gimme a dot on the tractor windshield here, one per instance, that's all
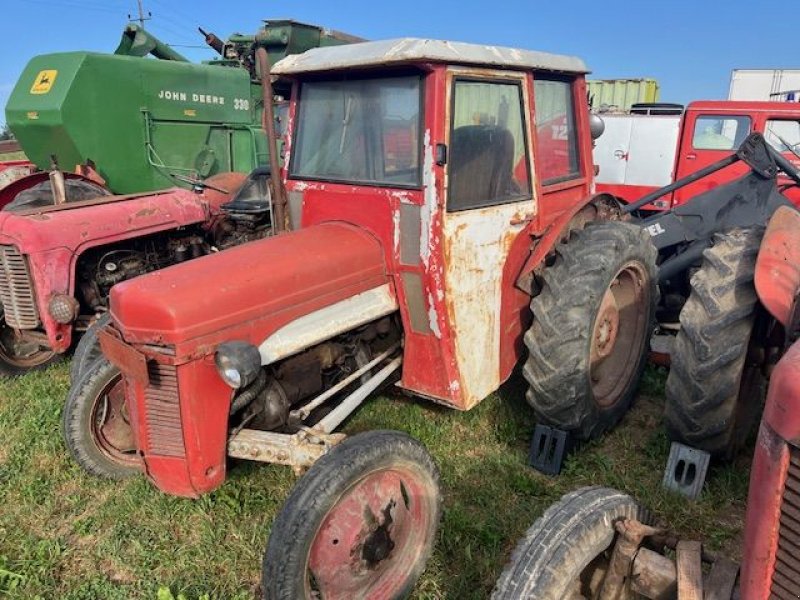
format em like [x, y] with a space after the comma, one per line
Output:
[359, 131]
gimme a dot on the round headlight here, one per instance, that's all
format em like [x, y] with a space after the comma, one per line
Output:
[64, 309]
[238, 363]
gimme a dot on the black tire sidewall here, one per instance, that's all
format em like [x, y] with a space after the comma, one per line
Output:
[87, 351]
[77, 423]
[318, 491]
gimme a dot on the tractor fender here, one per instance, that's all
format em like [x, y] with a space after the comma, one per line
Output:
[598, 207]
[9, 192]
[777, 275]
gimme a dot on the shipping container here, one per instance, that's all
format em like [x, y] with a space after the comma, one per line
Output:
[617, 95]
[776, 85]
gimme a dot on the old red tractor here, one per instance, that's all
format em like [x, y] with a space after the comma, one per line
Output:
[599, 543]
[431, 206]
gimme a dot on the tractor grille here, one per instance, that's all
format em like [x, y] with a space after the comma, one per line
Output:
[16, 290]
[164, 433]
[786, 579]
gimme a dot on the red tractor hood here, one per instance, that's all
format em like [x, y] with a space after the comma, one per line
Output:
[249, 291]
[94, 222]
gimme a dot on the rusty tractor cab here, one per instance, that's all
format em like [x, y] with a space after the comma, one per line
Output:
[437, 192]
[599, 543]
[722, 344]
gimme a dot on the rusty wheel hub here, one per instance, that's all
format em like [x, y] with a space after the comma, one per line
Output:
[111, 428]
[370, 538]
[618, 333]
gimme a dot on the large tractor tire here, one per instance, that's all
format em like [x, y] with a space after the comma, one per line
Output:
[361, 523]
[567, 550]
[88, 349]
[41, 194]
[591, 324]
[717, 383]
[96, 426]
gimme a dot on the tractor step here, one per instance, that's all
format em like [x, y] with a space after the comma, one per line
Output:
[549, 449]
[686, 470]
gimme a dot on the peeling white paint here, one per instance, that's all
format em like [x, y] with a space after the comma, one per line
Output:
[396, 231]
[327, 322]
[478, 243]
[433, 319]
[402, 195]
[430, 202]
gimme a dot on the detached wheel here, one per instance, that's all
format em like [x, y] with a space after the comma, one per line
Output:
[717, 383]
[17, 357]
[361, 523]
[88, 349]
[566, 552]
[96, 427]
[591, 325]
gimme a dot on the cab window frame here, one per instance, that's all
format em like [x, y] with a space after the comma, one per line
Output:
[524, 113]
[576, 176]
[748, 119]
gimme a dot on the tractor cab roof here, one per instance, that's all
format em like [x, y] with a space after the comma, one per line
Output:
[410, 50]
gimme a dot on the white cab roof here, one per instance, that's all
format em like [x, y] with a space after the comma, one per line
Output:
[407, 50]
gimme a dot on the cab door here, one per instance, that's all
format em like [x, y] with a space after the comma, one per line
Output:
[489, 199]
[706, 139]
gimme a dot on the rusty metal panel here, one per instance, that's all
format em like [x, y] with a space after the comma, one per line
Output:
[410, 232]
[786, 578]
[415, 299]
[129, 360]
[164, 433]
[16, 290]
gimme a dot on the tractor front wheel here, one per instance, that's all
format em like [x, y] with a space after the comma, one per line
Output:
[717, 381]
[591, 324]
[96, 426]
[566, 552]
[88, 349]
[361, 523]
[17, 357]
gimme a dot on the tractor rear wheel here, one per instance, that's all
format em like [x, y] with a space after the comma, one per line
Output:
[566, 552]
[591, 324]
[717, 382]
[96, 426]
[88, 349]
[361, 523]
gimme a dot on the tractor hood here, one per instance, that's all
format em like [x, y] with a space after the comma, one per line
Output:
[248, 292]
[79, 225]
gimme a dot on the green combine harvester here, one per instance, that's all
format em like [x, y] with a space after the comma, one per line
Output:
[145, 118]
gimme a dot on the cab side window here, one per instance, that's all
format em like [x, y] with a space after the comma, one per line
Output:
[556, 136]
[783, 134]
[488, 161]
[720, 133]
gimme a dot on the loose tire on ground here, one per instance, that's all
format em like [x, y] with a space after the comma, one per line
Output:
[361, 523]
[591, 324]
[95, 426]
[716, 384]
[561, 551]
[88, 349]
[41, 194]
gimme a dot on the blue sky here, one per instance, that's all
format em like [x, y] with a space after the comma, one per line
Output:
[689, 46]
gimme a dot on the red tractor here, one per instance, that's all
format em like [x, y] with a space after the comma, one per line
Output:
[598, 543]
[425, 223]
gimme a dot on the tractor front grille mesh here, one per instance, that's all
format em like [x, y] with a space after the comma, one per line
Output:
[164, 432]
[16, 290]
[786, 579]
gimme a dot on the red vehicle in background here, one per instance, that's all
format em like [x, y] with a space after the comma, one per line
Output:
[637, 154]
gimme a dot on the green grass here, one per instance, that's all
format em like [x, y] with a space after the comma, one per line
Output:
[66, 535]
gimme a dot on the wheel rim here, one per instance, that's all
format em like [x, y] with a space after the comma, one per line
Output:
[110, 426]
[617, 340]
[13, 357]
[372, 537]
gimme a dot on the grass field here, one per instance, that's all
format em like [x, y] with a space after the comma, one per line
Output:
[69, 536]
